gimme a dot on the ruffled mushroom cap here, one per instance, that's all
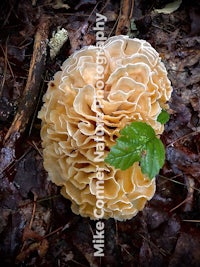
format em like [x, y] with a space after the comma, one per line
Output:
[136, 88]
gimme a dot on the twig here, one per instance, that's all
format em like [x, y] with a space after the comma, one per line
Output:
[152, 244]
[125, 17]
[53, 232]
[192, 221]
[33, 211]
[11, 168]
[177, 182]
[112, 30]
[5, 53]
[6, 63]
[37, 105]
[180, 204]
[183, 137]
[29, 99]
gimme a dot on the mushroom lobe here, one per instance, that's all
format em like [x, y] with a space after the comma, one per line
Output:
[135, 87]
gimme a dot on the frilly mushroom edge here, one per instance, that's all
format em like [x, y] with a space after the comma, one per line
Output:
[136, 89]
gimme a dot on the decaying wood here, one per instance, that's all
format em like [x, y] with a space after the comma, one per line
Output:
[125, 16]
[30, 94]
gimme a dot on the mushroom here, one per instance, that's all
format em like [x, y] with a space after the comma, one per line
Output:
[102, 88]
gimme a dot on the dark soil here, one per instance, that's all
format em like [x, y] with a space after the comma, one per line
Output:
[37, 226]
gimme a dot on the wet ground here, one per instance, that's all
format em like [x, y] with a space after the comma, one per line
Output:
[37, 227]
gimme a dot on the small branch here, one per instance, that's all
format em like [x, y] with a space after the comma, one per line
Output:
[31, 91]
[125, 16]
[30, 94]
[33, 212]
[6, 63]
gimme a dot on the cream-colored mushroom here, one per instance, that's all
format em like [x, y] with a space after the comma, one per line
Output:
[136, 88]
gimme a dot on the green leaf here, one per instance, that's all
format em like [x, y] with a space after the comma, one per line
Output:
[130, 145]
[137, 143]
[141, 131]
[154, 158]
[163, 117]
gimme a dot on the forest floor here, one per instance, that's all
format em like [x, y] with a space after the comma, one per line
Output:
[37, 226]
